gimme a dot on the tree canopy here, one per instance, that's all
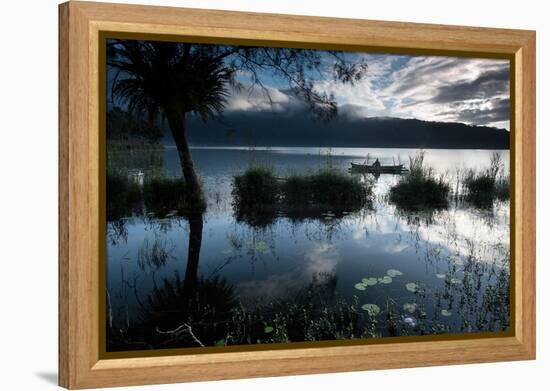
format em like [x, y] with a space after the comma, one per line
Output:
[154, 77]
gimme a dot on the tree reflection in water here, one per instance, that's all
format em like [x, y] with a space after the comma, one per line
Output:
[206, 310]
[461, 287]
[198, 311]
[178, 313]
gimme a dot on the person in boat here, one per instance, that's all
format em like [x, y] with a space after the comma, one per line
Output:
[376, 163]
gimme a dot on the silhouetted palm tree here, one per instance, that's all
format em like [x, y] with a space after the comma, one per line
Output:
[175, 79]
[164, 78]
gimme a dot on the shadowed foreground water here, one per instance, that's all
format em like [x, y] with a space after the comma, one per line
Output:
[443, 271]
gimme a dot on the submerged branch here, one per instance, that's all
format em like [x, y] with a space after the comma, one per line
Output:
[181, 329]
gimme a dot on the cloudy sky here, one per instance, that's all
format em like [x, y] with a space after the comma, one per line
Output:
[450, 89]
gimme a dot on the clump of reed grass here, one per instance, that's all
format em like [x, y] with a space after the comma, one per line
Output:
[162, 195]
[420, 189]
[257, 188]
[482, 188]
[502, 188]
[123, 196]
[256, 195]
[157, 195]
[259, 192]
[326, 189]
[154, 253]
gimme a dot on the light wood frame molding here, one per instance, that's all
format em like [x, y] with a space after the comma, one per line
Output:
[80, 24]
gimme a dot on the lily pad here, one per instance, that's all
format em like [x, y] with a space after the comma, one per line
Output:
[455, 281]
[268, 329]
[409, 321]
[372, 309]
[409, 307]
[446, 313]
[385, 280]
[261, 247]
[394, 273]
[360, 286]
[440, 275]
[412, 287]
[369, 281]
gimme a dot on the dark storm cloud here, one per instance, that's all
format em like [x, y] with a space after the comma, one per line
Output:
[488, 85]
[498, 112]
[449, 89]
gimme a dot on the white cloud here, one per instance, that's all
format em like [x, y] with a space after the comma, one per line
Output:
[415, 89]
[469, 90]
[255, 98]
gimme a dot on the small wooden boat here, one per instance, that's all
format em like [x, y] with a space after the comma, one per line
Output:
[378, 169]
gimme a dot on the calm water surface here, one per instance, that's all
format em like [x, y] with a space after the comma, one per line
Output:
[451, 256]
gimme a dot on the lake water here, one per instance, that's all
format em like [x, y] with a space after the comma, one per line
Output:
[451, 261]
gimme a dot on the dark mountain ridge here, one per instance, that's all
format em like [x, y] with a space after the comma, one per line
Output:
[272, 129]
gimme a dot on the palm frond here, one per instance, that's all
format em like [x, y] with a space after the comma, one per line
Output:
[155, 77]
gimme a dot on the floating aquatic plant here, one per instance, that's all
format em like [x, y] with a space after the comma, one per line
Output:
[455, 281]
[369, 281]
[410, 321]
[394, 273]
[372, 309]
[385, 280]
[409, 307]
[261, 247]
[360, 286]
[446, 313]
[412, 287]
[227, 251]
[268, 329]
[440, 275]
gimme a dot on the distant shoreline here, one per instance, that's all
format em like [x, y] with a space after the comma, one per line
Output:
[269, 147]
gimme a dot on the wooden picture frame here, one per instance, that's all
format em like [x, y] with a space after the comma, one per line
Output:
[81, 24]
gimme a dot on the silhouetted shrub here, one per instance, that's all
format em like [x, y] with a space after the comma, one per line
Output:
[325, 190]
[481, 189]
[419, 188]
[502, 188]
[259, 196]
[257, 188]
[159, 196]
[123, 196]
[162, 195]
[176, 316]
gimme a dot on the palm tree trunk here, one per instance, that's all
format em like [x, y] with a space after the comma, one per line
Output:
[176, 121]
[193, 252]
[196, 204]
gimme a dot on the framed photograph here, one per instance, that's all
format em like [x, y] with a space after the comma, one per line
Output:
[247, 195]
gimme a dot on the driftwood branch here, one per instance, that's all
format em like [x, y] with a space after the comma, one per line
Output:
[182, 329]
